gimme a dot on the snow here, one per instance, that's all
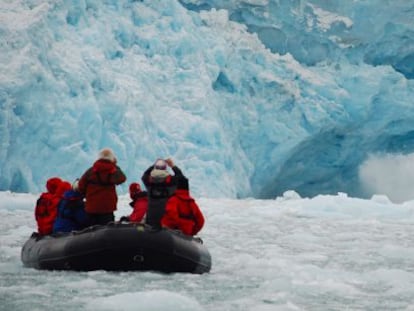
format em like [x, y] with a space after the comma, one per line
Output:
[331, 252]
[326, 19]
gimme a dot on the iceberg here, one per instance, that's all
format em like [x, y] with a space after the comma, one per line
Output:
[250, 98]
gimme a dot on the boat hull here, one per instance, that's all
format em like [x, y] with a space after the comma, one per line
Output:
[118, 247]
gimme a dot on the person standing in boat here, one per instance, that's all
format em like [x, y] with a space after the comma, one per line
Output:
[160, 186]
[182, 212]
[139, 204]
[98, 185]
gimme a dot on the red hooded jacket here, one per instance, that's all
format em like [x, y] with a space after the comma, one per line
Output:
[98, 185]
[140, 205]
[183, 213]
[46, 205]
[45, 214]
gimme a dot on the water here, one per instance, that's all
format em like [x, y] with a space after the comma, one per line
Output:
[325, 253]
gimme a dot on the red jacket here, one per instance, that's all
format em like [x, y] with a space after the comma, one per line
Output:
[183, 213]
[45, 213]
[98, 185]
[46, 206]
[140, 205]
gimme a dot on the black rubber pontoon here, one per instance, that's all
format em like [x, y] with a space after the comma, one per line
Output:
[118, 247]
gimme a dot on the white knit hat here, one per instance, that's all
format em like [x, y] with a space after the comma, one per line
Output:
[159, 174]
[107, 154]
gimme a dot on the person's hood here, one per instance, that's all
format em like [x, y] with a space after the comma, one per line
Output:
[52, 184]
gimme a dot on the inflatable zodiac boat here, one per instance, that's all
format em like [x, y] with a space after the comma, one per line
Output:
[118, 247]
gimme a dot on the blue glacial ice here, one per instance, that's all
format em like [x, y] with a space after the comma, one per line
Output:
[250, 98]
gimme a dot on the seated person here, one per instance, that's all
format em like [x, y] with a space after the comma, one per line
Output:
[139, 204]
[46, 205]
[71, 213]
[182, 212]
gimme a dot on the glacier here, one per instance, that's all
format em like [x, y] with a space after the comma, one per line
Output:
[250, 98]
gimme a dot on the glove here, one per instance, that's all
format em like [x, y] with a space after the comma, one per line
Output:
[170, 162]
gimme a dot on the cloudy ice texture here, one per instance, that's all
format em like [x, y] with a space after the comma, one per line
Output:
[250, 98]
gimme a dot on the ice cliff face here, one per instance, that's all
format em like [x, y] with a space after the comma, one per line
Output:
[251, 98]
[374, 32]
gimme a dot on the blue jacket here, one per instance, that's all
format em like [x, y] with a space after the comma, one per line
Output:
[71, 213]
